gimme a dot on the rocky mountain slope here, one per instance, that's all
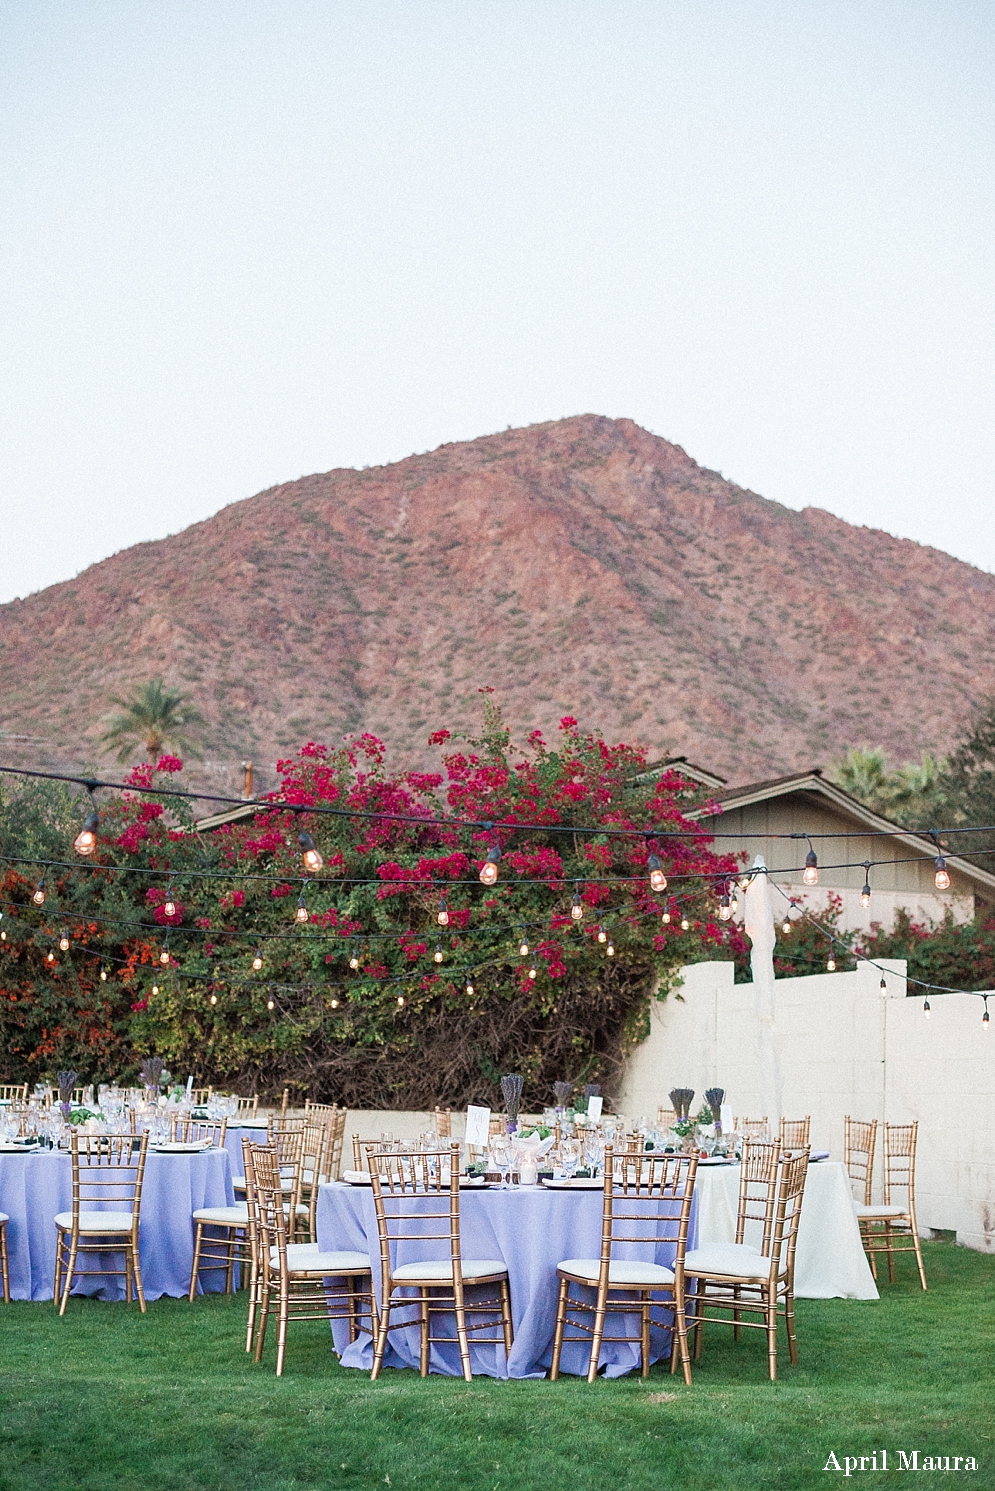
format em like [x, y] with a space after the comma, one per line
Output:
[583, 566]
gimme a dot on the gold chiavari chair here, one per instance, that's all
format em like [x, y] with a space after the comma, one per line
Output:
[199, 1130]
[639, 1192]
[752, 1128]
[247, 1107]
[200, 1096]
[292, 1279]
[743, 1279]
[334, 1119]
[666, 1118]
[108, 1171]
[314, 1152]
[444, 1123]
[890, 1227]
[859, 1144]
[13, 1092]
[418, 1190]
[794, 1133]
[4, 1268]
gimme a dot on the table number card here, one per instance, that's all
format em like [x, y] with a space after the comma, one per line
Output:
[478, 1126]
[594, 1105]
[725, 1118]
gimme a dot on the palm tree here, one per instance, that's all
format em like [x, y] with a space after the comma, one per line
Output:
[155, 717]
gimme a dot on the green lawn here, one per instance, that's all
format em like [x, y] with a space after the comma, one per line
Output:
[106, 1400]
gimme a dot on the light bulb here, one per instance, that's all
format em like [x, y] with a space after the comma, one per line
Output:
[734, 903]
[532, 970]
[354, 961]
[665, 918]
[985, 1019]
[164, 956]
[443, 916]
[64, 942]
[3, 936]
[103, 975]
[725, 909]
[941, 879]
[312, 859]
[86, 840]
[884, 988]
[610, 949]
[786, 926]
[865, 896]
[811, 872]
[926, 1009]
[169, 905]
[257, 961]
[684, 924]
[39, 895]
[469, 988]
[437, 955]
[50, 958]
[335, 1004]
[155, 988]
[577, 910]
[301, 914]
[524, 948]
[400, 1000]
[214, 999]
[271, 1004]
[602, 934]
[831, 964]
[489, 868]
[658, 880]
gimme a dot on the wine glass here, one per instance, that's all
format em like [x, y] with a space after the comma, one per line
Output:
[501, 1157]
[594, 1151]
[569, 1157]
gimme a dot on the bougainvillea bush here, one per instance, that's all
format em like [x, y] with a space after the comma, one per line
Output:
[373, 1000]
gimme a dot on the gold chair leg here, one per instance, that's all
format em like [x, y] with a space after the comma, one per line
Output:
[137, 1272]
[644, 1343]
[789, 1321]
[561, 1320]
[57, 1282]
[680, 1339]
[918, 1248]
[736, 1316]
[198, 1243]
[889, 1241]
[509, 1339]
[772, 1336]
[464, 1344]
[70, 1270]
[281, 1332]
[264, 1302]
[4, 1265]
[599, 1330]
[423, 1336]
[381, 1345]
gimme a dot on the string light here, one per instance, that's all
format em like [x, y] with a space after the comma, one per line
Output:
[64, 941]
[312, 859]
[577, 909]
[883, 986]
[665, 918]
[610, 949]
[257, 961]
[810, 874]
[354, 960]
[831, 964]
[469, 986]
[169, 905]
[523, 947]
[602, 934]
[437, 955]
[725, 905]
[155, 989]
[942, 878]
[335, 1004]
[400, 1000]
[3, 936]
[103, 975]
[489, 868]
[865, 894]
[735, 901]
[271, 1004]
[86, 840]
[532, 970]
[301, 913]
[786, 926]
[164, 955]
[50, 958]
[985, 1018]
[658, 880]
[214, 999]
[926, 1009]
[685, 924]
[39, 895]
[443, 916]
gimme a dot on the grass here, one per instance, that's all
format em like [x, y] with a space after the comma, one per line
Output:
[105, 1400]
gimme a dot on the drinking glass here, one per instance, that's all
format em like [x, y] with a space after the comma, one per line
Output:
[594, 1151]
[569, 1157]
[501, 1157]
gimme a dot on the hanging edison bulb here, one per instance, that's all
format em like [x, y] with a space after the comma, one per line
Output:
[39, 895]
[443, 915]
[3, 936]
[155, 990]
[103, 975]
[942, 877]
[532, 970]
[926, 1009]
[400, 1000]
[64, 941]
[164, 955]
[50, 958]
[523, 946]
[610, 949]
[335, 1004]
[169, 905]
[786, 926]
[437, 955]
[489, 868]
[685, 924]
[658, 880]
[985, 1019]
[312, 859]
[577, 909]
[214, 999]
[257, 961]
[831, 964]
[86, 840]
[725, 905]
[301, 913]
[734, 902]
[354, 960]
[602, 934]
[469, 988]
[665, 918]
[271, 1004]
[810, 874]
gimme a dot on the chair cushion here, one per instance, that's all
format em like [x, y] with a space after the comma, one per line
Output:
[238, 1181]
[306, 1258]
[620, 1271]
[738, 1259]
[885, 1212]
[442, 1269]
[96, 1222]
[3, 1218]
[223, 1216]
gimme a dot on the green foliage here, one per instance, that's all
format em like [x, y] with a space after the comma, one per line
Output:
[812, 938]
[154, 718]
[915, 793]
[954, 955]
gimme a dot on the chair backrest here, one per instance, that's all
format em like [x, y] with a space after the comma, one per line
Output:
[794, 1132]
[900, 1163]
[13, 1092]
[108, 1171]
[752, 1128]
[758, 1189]
[859, 1143]
[287, 1140]
[498, 1125]
[641, 1192]
[265, 1198]
[333, 1117]
[200, 1096]
[665, 1117]
[790, 1193]
[248, 1105]
[444, 1123]
[195, 1130]
[416, 1195]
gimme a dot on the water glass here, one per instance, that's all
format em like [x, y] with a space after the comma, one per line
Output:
[569, 1157]
[501, 1157]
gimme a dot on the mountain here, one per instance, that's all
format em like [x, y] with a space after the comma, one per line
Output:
[579, 567]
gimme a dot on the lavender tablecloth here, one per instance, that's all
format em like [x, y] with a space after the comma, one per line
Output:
[532, 1230]
[234, 1135]
[33, 1187]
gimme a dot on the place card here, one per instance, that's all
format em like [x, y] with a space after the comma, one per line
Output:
[594, 1105]
[726, 1118]
[478, 1127]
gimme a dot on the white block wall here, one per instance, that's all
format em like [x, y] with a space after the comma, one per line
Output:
[843, 1048]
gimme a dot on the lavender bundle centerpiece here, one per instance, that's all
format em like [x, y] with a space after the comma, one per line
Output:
[714, 1097]
[151, 1072]
[562, 1091]
[511, 1091]
[682, 1098]
[66, 1082]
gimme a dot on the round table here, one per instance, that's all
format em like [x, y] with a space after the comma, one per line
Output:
[34, 1187]
[532, 1229]
[255, 1132]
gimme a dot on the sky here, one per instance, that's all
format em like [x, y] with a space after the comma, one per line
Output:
[246, 241]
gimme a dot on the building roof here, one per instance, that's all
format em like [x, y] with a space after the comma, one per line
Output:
[684, 766]
[812, 783]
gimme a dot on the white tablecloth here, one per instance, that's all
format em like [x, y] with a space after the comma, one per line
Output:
[830, 1262]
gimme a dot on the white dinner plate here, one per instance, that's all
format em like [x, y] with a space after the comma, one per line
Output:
[586, 1183]
[818, 1154]
[718, 1160]
[199, 1146]
[18, 1148]
[356, 1178]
